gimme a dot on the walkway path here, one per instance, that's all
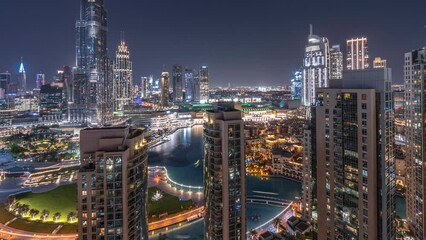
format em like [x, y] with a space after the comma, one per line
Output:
[11, 233]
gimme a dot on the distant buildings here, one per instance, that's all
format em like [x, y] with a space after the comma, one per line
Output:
[336, 62]
[112, 184]
[192, 85]
[123, 78]
[164, 89]
[224, 174]
[40, 80]
[284, 164]
[5, 81]
[177, 83]
[22, 79]
[316, 67]
[379, 63]
[146, 87]
[204, 84]
[53, 101]
[357, 54]
[415, 129]
[351, 178]
[297, 86]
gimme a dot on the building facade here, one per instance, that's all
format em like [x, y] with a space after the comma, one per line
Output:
[123, 77]
[53, 101]
[112, 184]
[5, 81]
[164, 89]
[316, 67]
[204, 84]
[94, 69]
[177, 83]
[336, 62]
[297, 85]
[415, 129]
[379, 63]
[357, 50]
[224, 174]
[354, 163]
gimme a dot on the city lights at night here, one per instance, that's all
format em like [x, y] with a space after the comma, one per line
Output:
[214, 120]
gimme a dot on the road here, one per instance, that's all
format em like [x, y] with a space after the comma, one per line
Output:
[176, 219]
[11, 233]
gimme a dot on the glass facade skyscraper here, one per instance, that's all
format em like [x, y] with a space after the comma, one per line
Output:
[204, 84]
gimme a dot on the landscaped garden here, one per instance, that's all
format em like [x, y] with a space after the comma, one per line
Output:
[58, 205]
[162, 203]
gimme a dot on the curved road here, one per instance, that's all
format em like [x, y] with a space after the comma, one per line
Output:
[11, 233]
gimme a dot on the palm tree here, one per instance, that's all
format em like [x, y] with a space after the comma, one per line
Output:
[33, 213]
[71, 216]
[24, 209]
[277, 223]
[11, 201]
[56, 217]
[44, 214]
[253, 234]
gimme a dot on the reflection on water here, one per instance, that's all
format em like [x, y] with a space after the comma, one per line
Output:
[183, 157]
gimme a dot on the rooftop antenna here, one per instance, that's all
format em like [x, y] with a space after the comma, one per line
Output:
[310, 29]
[122, 37]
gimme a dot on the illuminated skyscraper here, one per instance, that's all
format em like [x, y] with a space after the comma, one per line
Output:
[316, 67]
[379, 63]
[164, 89]
[296, 86]
[357, 49]
[192, 86]
[415, 130]
[350, 174]
[94, 70]
[22, 79]
[146, 87]
[224, 174]
[204, 84]
[123, 77]
[177, 83]
[336, 62]
[112, 184]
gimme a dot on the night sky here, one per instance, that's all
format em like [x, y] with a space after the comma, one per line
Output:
[244, 42]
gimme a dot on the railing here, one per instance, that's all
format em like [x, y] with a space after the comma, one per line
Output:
[175, 184]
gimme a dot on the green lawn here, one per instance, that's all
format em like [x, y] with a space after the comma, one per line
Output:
[33, 226]
[62, 199]
[68, 229]
[168, 203]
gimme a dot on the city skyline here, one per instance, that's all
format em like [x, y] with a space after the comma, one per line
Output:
[168, 41]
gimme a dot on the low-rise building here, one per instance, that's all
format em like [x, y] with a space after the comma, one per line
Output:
[284, 164]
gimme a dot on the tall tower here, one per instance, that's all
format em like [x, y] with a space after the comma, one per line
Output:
[112, 184]
[224, 174]
[146, 87]
[336, 62]
[357, 49]
[316, 67]
[415, 129]
[354, 158]
[177, 83]
[204, 84]
[123, 77]
[22, 79]
[164, 89]
[93, 74]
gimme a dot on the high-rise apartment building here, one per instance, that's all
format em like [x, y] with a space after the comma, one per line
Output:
[352, 174]
[204, 84]
[357, 50]
[224, 174]
[93, 74]
[5, 81]
[164, 89]
[112, 184]
[316, 67]
[146, 86]
[336, 62]
[123, 77]
[53, 101]
[192, 86]
[177, 83]
[22, 79]
[415, 129]
[379, 63]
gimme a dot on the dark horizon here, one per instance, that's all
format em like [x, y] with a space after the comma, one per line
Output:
[247, 43]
